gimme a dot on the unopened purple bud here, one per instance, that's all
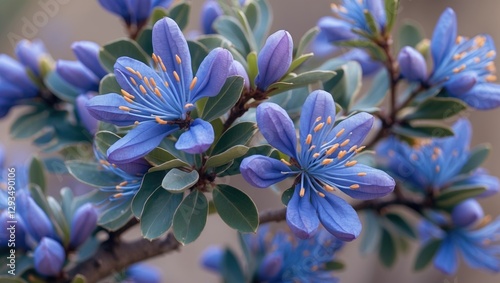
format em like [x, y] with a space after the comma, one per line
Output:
[49, 257]
[36, 221]
[143, 273]
[76, 74]
[377, 9]
[270, 267]
[211, 258]
[461, 83]
[467, 213]
[83, 223]
[412, 64]
[238, 70]
[88, 121]
[14, 73]
[274, 59]
[87, 52]
[210, 11]
[30, 54]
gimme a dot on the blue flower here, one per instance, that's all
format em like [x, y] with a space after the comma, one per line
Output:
[412, 64]
[143, 273]
[49, 257]
[322, 164]
[351, 19]
[465, 67]
[282, 258]
[478, 244]
[133, 12]
[435, 164]
[83, 224]
[210, 11]
[159, 101]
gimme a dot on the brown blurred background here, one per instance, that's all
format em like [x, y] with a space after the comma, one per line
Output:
[73, 20]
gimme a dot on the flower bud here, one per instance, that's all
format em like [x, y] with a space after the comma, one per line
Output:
[14, 73]
[88, 121]
[30, 54]
[36, 221]
[49, 257]
[143, 273]
[461, 83]
[412, 64]
[238, 70]
[83, 223]
[87, 52]
[335, 30]
[377, 9]
[76, 74]
[270, 266]
[467, 213]
[274, 59]
[211, 258]
[210, 11]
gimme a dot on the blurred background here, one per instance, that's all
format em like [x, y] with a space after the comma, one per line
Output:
[71, 20]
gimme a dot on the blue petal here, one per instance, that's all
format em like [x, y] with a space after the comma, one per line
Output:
[262, 171]
[374, 184]
[238, 70]
[446, 258]
[277, 127]
[412, 64]
[318, 104]
[483, 96]
[15, 73]
[210, 11]
[49, 257]
[137, 167]
[36, 221]
[377, 9]
[301, 216]
[87, 52]
[444, 36]
[335, 29]
[139, 10]
[212, 74]
[168, 41]
[480, 177]
[477, 256]
[116, 7]
[467, 213]
[271, 265]
[143, 273]
[368, 65]
[428, 231]
[106, 108]
[76, 74]
[138, 142]
[321, 46]
[86, 119]
[274, 59]
[461, 83]
[197, 139]
[30, 54]
[338, 217]
[356, 128]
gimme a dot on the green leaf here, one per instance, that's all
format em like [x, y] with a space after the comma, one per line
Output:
[177, 181]
[123, 217]
[387, 249]
[303, 79]
[305, 40]
[104, 140]
[456, 194]
[401, 224]
[227, 156]
[61, 88]
[231, 269]
[410, 34]
[423, 131]
[28, 124]
[334, 266]
[376, 94]
[234, 169]
[36, 174]
[346, 83]
[175, 163]
[235, 208]
[264, 22]
[158, 213]
[191, 217]
[112, 214]
[159, 156]
[437, 108]
[221, 103]
[298, 61]
[252, 14]
[287, 195]
[426, 254]
[109, 84]
[231, 29]
[67, 203]
[253, 69]
[370, 21]
[145, 40]
[391, 12]
[158, 14]
[151, 182]
[92, 174]
[59, 221]
[371, 233]
[180, 14]
[79, 279]
[198, 53]
[124, 47]
[239, 134]
[476, 157]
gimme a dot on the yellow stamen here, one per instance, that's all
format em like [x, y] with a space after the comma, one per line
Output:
[480, 41]
[143, 90]
[131, 70]
[332, 149]
[491, 67]
[344, 143]
[459, 69]
[188, 105]
[327, 161]
[341, 154]
[124, 108]
[351, 163]
[124, 183]
[329, 120]
[354, 187]
[118, 187]
[146, 82]
[104, 162]
[119, 195]
[321, 194]
[157, 92]
[491, 78]
[360, 149]
[126, 94]
[176, 76]
[139, 74]
[302, 192]
[318, 119]
[153, 82]
[459, 56]
[491, 54]
[459, 39]
[160, 121]
[329, 188]
[133, 81]
[316, 155]
[340, 133]
[309, 139]
[312, 147]
[128, 99]
[136, 123]
[155, 59]
[166, 84]
[162, 65]
[286, 162]
[477, 59]
[361, 174]
[193, 83]
[178, 59]
[353, 148]
[318, 127]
